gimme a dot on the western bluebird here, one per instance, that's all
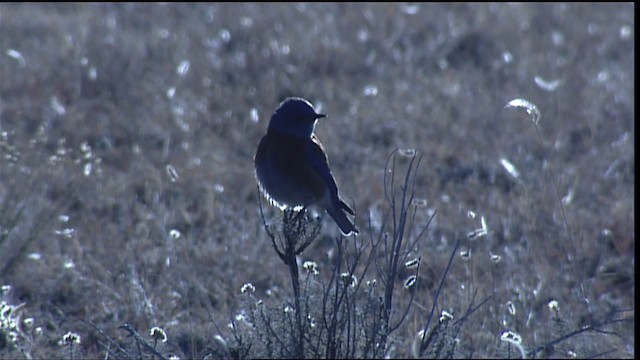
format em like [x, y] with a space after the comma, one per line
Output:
[292, 168]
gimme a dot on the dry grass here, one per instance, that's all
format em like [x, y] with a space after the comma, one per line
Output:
[97, 100]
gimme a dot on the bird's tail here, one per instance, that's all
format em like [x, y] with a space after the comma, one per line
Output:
[347, 227]
[346, 207]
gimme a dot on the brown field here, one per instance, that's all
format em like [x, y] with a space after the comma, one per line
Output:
[97, 101]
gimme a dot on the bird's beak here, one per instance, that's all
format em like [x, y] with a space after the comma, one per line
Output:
[319, 116]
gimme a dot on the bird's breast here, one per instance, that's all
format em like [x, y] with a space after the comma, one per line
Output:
[285, 172]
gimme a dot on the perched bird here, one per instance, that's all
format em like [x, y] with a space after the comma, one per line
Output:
[292, 168]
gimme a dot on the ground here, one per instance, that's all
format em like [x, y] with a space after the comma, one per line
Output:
[127, 192]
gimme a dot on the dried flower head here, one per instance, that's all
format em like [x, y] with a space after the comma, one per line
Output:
[12, 337]
[158, 334]
[4, 290]
[349, 278]
[311, 267]
[5, 310]
[515, 340]
[70, 338]
[311, 320]
[511, 337]
[247, 287]
[28, 322]
[175, 234]
[445, 316]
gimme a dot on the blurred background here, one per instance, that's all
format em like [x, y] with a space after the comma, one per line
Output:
[127, 133]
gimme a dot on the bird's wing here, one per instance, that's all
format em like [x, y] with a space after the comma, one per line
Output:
[319, 162]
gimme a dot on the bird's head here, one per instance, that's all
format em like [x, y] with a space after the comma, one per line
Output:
[296, 117]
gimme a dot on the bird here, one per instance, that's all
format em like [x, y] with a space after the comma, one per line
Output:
[292, 167]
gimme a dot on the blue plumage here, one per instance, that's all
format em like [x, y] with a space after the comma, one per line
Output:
[292, 168]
